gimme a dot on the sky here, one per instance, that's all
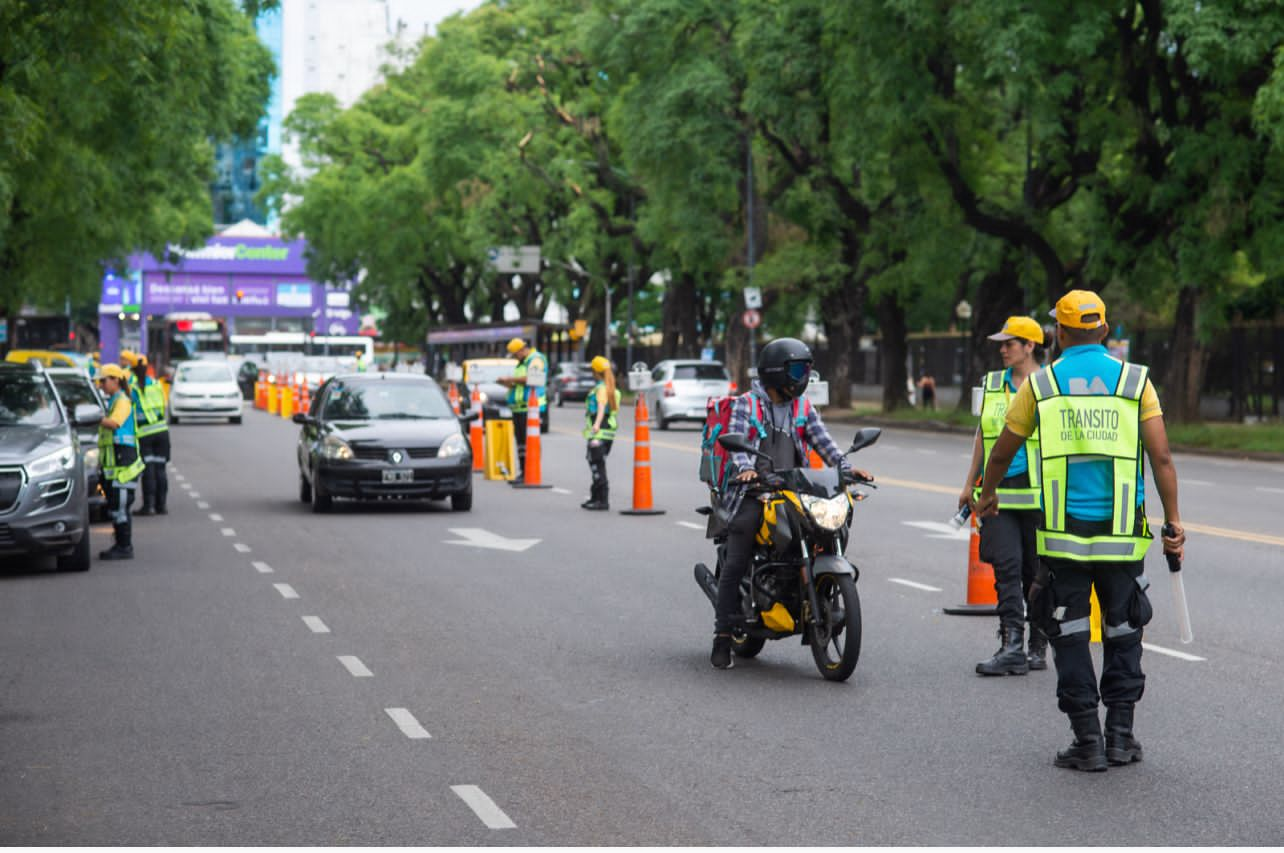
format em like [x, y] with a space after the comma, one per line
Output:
[418, 13]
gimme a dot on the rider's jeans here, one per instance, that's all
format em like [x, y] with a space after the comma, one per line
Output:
[740, 536]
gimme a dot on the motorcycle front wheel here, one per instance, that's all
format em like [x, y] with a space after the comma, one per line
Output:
[835, 636]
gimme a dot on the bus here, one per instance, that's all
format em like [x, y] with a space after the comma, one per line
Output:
[172, 338]
[260, 348]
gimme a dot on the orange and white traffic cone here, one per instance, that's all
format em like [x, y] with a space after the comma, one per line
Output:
[475, 434]
[982, 599]
[531, 473]
[641, 463]
[305, 398]
[453, 395]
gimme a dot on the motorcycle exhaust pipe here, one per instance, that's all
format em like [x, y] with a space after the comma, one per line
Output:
[706, 581]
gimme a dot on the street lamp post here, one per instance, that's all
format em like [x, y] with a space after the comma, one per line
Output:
[963, 311]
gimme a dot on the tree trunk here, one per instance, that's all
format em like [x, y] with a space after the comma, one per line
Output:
[843, 325]
[895, 349]
[1186, 361]
[1000, 296]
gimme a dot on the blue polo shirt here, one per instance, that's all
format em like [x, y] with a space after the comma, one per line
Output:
[1020, 463]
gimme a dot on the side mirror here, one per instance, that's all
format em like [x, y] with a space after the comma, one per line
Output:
[303, 419]
[864, 438]
[86, 415]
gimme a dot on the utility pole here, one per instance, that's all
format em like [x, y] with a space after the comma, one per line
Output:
[628, 347]
[753, 333]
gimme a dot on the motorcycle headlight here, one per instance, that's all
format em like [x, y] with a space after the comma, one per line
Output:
[454, 445]
[828, 513]
[336, 449]
[60, 461]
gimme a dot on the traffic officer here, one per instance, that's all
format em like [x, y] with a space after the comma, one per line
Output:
[361, 361]
[1008, 540]
[600, 424]
[118, 458]
[153, 438]
[528, 358]
[1095, 415]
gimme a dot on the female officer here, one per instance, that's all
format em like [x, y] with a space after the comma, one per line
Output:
[600, 410]
[1008, 540]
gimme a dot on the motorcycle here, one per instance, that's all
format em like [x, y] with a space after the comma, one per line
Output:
[799, 582]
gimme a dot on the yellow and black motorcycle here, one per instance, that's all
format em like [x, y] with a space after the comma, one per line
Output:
[799, 581]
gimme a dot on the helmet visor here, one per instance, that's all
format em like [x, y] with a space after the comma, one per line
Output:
[798, 371]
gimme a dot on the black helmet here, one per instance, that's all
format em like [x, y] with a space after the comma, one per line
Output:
[785, 364]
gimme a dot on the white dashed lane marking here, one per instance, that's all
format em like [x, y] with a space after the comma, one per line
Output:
[315, 623]
[242, 547]
[194, 495]
[1270, 490]
[692, 525]
[286, 590]
[483, 806]
[228, 531]
[262, 567]
[202, 505]
[214, 516]
[408, 724]
[916, 585]
[560, 491]
[354, 665]
[1172, 653]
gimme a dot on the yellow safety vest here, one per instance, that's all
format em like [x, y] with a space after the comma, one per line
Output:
[1078, 426]
[518, 396]
[994, 410]
[151, 400]
[609, 423]
[125, 437]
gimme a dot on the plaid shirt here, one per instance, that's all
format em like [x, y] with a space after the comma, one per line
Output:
[814, 436]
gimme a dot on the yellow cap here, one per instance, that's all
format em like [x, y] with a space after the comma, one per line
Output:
[1020, 327]
[115, 371]
[129, 357]
[600, 364]
[516, 344]
[1075, 305]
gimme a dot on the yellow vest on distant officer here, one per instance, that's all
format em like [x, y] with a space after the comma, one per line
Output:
[118, 456]
[151, 403]
[994, 408]
[519, 395]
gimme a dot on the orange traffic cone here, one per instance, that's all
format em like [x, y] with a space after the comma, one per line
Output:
[453, 395]
[305, 398]
[531, 473]
[814, 460]
[641, 463]
[982, 600]
[475, 432]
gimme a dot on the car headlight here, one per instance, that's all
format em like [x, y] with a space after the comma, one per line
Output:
[60, 461]
[336, 448]
[828, 513]
[454, 445]
[91, 458]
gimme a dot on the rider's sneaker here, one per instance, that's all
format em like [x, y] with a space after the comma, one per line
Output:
[720, 657]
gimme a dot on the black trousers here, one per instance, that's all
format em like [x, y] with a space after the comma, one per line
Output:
[1009, 543]
[597, 462]
[119, 498]
[519, 433]
[155, 480]
[1122, 681]
[741, 530]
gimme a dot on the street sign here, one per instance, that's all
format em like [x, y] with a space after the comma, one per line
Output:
[751, 318]
[514, 259]
[753, 298]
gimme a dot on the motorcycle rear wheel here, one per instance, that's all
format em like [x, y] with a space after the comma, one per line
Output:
[835, 640]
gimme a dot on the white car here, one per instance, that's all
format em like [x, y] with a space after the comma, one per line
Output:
[204, 389]
[681, 390]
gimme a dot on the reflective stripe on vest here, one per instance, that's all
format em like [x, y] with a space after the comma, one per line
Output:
[994, 409]
[152, 405]
[519, 396]
[122, 436]
[1075, 427]
[609, 423]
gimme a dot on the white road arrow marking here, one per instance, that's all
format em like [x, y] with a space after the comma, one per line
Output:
[941, 530]
[479, 538]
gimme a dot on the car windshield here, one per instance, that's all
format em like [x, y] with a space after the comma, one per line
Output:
[484, 373]
[204, 373]
[74, 391]
[385, 400]
[700, 371]
[27, 401]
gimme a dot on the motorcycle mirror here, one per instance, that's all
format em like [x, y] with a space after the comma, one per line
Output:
[864, 438]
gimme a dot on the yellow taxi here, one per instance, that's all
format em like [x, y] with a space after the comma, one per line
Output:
[47, 357]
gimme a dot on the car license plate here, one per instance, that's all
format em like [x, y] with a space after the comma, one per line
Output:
[398, 475]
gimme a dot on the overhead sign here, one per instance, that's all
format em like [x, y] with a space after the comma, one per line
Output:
[514, 259]
[753, 298]
[751, 318]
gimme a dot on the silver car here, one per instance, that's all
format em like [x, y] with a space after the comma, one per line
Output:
[680, 390]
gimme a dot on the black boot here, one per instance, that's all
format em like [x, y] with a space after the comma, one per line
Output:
[597, 498]
[1038, 653]
[147, 509]
[720, 657]
[1010, 658]
[1088, 752]
[1121, 747]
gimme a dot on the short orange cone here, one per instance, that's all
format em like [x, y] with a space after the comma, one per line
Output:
[475, 433]
[982, 600]
[641, 463]
[531, 473]
[814, 460]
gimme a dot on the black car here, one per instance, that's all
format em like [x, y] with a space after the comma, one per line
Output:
[75, 388]
[571, 381]
[372, 436]
[43, 509]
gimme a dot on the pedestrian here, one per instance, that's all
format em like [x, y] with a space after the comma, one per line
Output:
[1095, 415]
[782, 424]
[601, 408]
[118, 459]
[360, 356]
[529, 359]
[153, 439]
[1008, 539]
[927, 384]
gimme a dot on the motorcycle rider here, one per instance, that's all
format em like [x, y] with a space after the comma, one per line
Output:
[777, 422]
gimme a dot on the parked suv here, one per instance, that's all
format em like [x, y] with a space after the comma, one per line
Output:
[680, 390]
[43, 505]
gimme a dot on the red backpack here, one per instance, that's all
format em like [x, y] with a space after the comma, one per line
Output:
[717, 421]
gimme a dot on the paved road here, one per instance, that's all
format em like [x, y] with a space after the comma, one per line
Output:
[262, 675]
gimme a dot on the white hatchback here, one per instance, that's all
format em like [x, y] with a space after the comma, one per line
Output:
[681, 390]
[204, 389]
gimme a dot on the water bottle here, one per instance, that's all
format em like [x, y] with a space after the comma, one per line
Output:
[960, 518]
